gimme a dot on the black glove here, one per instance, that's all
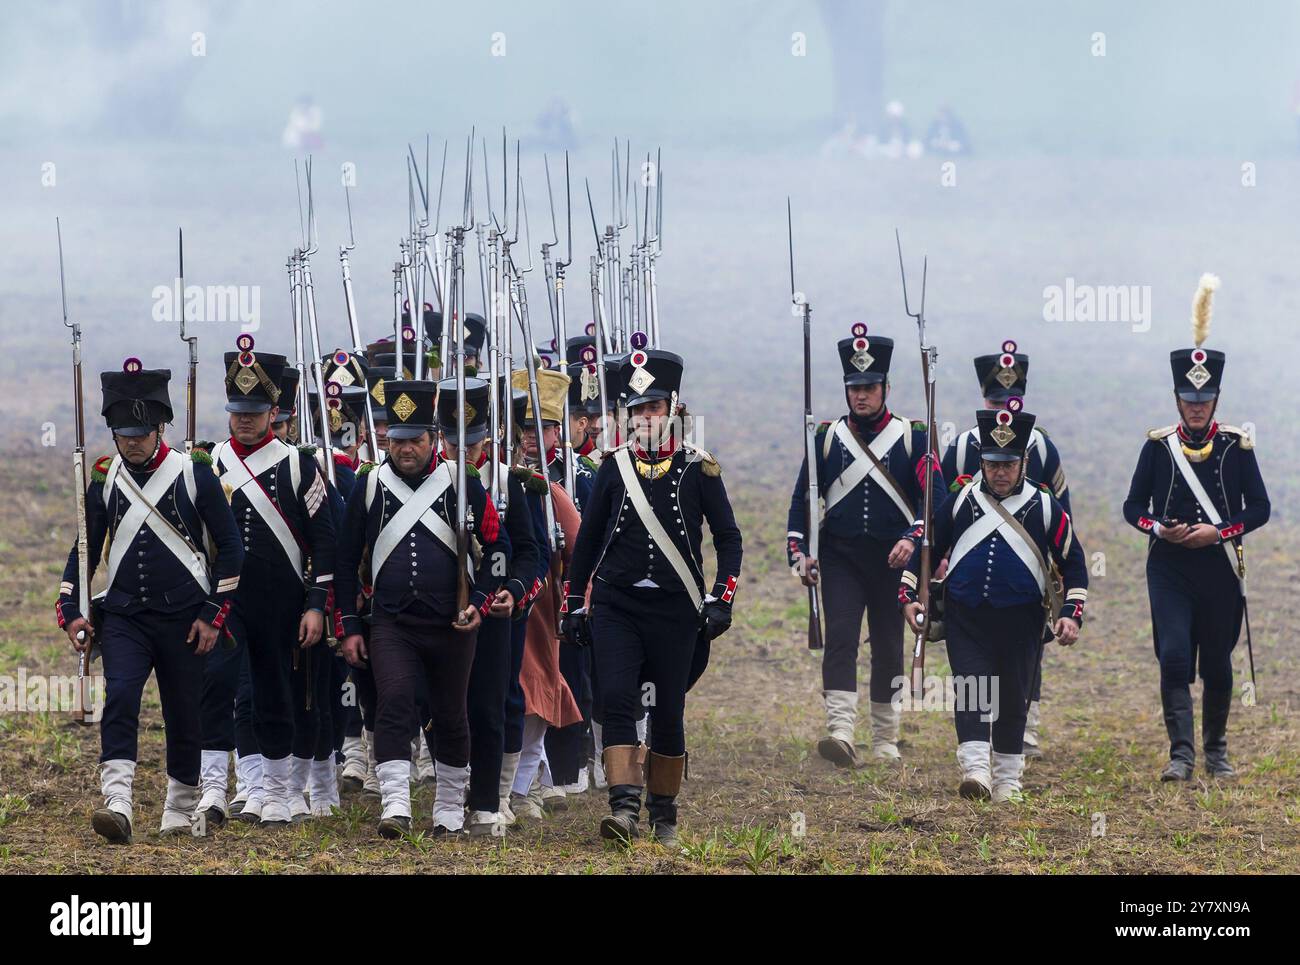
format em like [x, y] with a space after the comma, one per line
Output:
[576, 628]
[717, 618]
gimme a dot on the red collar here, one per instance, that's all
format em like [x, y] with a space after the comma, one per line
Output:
[482, 458]
[163, 449]
[343, 459]
[243, 451]
[1209, 433]
[664, 452]
[586, 447]
[551, 453]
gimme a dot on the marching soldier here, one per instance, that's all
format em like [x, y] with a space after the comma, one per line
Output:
[166, 605]
[489, 679]
[999, 533]
[1002, 377]
[1196, 492]
[280, 503]
[555, 678]
[871, 465]
[640, 541]
[404, 519]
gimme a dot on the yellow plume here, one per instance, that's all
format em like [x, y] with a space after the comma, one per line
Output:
[1203, 308]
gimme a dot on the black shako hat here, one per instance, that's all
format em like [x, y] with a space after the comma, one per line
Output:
[650, 373]
[288, 394]
[865, 360]
[136, 401]
[252, 379]
[1003, 375]
[477, 401]
[409, 405]
[1004, 434]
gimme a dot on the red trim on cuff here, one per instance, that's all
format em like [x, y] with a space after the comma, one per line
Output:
[1234, 529]
[220, 618]
[58, 610]
[1146, 524]
[730, 591]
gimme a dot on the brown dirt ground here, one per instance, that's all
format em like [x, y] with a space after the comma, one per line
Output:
[752, 727]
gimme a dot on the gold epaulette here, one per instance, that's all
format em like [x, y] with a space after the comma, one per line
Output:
[1245, 440]
[708, 465]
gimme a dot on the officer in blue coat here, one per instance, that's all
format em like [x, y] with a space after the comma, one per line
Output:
[153, 509]
[639, 545]
[1003, 376]
[1196, 492]
[1006, 539]
[871, 467]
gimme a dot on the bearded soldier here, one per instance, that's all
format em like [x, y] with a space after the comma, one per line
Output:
[404, 521]
[1001, 377]
[1196, 492]
[280, 503]
[152, 508]
[639, 546]
[999, 532]
[871, 464]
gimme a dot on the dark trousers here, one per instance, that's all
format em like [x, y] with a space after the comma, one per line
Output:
[1196, 613]
[363, 679]
[327, 698]
[245, 738]
[566, 747]
[644, 643]
[265, 617]
[134, 646]
[993, 651]
[489, 682]
[405, 650]
[856, 576]
[514, 736]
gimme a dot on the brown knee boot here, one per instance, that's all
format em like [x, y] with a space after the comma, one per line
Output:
[625, 771]
[663, 781]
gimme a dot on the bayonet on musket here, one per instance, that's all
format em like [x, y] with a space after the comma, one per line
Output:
[83, 709]
[803, 309]
[929, 359]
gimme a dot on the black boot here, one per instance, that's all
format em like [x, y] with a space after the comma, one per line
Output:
[663, 818]
[1177, 702]
[1214, 732]
[625, 809]
[625, 770]
[663, 782]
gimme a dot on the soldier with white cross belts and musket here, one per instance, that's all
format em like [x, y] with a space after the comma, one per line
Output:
[154, 509]
[872, 465]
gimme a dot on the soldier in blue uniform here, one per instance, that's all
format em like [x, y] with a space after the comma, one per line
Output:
[1005, 538]
[476, 803]
[639, 546]
[281, 507]
[1001, 377]
[403, 519]
[248, 761]
[870, 466]
[167, 602]
[1196, 492]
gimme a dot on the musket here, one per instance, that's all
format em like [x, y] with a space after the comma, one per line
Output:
[323, 398]
[302, 428]
[929, 360]
[191, 384]
[1245, 610]
[556, 279]
[498, 489]
[354, 328]
[85, 713]
[804, 309]
[462, 503]
[655, 244]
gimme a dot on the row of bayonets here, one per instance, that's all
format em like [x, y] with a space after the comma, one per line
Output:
[625, 303]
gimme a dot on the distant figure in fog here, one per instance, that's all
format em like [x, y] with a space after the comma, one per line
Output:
[302, 132]
[947, 134]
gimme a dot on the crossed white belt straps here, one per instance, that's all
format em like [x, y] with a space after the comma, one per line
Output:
[416, 509]
[143, 511]
[241, 476]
